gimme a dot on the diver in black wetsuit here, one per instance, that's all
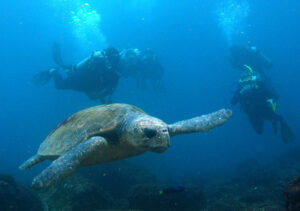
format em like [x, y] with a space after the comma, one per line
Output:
[96, 75]
[258, 100]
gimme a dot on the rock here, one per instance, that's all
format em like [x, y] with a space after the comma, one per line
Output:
[76, 193]
[15, 196]
[293, 195]
[117, 177]
[148, 197]
[98, 187]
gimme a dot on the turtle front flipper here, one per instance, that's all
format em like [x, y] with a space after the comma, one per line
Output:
[67, 164]
[201, 123]
[32, 161]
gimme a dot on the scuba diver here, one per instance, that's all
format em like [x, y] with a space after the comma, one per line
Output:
[97, 75]
[259, 101]
[143, 65]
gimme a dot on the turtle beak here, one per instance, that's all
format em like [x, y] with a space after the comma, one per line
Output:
[162, 141]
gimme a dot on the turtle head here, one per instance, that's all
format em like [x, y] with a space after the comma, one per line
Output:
[150, 134]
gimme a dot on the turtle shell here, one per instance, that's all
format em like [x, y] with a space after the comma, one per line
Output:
[94, 121]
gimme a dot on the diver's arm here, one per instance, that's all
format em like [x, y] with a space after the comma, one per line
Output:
[83, 64]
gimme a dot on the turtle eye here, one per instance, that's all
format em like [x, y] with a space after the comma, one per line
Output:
[150, 133]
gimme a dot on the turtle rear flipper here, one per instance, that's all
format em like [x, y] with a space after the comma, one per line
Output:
[67, 164]
[201, 123]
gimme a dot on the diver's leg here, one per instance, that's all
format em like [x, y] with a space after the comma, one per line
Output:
[275, 126]
[62, 83]
[274, 118]
[287, 135]
[257, 123]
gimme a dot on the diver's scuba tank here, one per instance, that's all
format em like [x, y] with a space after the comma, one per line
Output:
[85, 63]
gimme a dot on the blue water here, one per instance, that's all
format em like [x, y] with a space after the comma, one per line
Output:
[192, 40]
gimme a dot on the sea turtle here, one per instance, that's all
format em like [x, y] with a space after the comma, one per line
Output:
[108, 133]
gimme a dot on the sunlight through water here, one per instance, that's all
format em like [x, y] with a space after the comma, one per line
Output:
[84, 21]
[86, 26]
[231, 17]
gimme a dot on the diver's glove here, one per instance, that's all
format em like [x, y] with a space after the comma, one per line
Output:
[272, 103]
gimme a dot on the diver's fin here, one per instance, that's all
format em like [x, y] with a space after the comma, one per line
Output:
[56, 55]
[287, 134]
[43, 77]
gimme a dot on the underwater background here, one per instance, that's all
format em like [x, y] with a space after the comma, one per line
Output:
[191, 38]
